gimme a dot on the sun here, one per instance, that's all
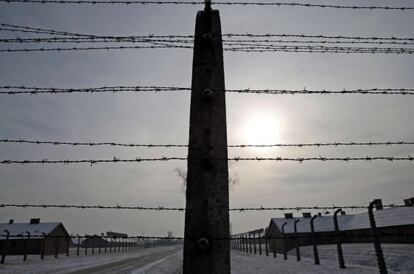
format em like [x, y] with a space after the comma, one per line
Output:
[261, 129]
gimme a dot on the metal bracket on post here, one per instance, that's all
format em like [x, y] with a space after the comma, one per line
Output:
[338, 239]
[314, 243]
[377, 243]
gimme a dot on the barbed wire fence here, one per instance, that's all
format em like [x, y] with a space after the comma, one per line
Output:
[232, 42]
[254, 43]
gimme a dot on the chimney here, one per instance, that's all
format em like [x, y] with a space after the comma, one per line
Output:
[306, 215]
[11, 221]
[34, 221]
[409, 201]
[288, 215]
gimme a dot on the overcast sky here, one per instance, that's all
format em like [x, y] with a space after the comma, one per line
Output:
[163, 118]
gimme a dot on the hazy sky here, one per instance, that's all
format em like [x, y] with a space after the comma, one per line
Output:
[163, 118]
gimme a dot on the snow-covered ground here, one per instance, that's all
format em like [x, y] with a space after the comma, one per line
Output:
[398, 257]
[140, 258]
[359, 258]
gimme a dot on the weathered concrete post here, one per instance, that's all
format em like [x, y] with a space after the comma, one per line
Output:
[69, 241]
[86, 244]
[338, 240]
[26, 250]
[314, 243]
[57, 247]
[5, 246]
[377, 243]
[78, 245]
[246, 243]
[206, 244]
[42, 253]
[284, 241]
[254, 242]
[260, 242]
[295, 227]
[250, 243]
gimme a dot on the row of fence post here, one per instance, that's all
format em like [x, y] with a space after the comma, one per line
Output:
[116, 244]
[244, 242]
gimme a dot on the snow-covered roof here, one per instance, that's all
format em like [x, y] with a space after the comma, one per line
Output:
[33, 229]
[383, 218]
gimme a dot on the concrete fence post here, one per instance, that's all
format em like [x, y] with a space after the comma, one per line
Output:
[250, 243]
[42, 253]
[254, 242]
[93, 244]
[377, 242]
[260, 243]
[57, 247]
[296, 239]
[5, 246]
[111, 244]
[207, 194]
[338, 239]
[78, 245]
[86, 243]
[246, 243]
[284, 241]
[314, 242]
[69, 243]
[26, 250]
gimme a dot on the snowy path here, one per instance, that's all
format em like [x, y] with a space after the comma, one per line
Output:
[130, 265]
[126, 262]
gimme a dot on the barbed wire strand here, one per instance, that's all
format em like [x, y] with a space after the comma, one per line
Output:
[258, 49]
[300, 145]
[19, 28]
[250, 42]
[19, 90]
[235, 159]
[223, 3]
[163, 208]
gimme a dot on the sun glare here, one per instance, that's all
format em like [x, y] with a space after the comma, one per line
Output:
[261, 129]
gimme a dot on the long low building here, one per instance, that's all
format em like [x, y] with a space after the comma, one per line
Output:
[50, 237]
[396, 225]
